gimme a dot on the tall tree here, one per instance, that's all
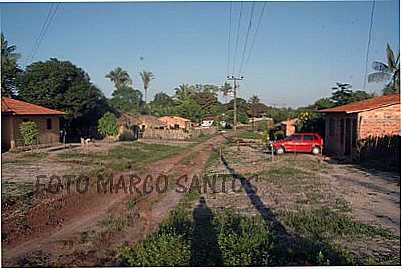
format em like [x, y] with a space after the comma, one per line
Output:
[127, 99]
[66, 87]
[119, 77]
[389, 72]
[146, 79]
[343, 94]
[9, 68]
[162, 105]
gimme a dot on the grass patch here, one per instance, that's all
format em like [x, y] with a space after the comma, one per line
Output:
[229, 240]
[26, 157]
[249, 135]
[212, 159]
[324, 223]
[125, 157]
[115, 223]
[12, 192]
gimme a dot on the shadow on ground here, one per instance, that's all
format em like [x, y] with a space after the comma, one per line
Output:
[289, 248]
[204, 244]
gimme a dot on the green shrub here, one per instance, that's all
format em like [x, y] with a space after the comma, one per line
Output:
[29, 132]
[244, 241]
[160, 249]
[321, 224]
[107, 125]
[240, 241]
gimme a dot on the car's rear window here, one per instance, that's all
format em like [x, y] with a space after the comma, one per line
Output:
[294, 137]
[309, 137]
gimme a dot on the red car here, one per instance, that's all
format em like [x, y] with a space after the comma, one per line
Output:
[299, 142]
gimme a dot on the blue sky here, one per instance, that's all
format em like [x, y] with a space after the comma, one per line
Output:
[301, 49]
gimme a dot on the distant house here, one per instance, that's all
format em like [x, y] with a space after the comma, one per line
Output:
[132, 127]
[347, 124]
[128, 127]
[176, 122]
[14, 112]
[151, 122]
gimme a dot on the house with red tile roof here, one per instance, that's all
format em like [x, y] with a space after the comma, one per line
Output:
[14, 112]
[372, 118]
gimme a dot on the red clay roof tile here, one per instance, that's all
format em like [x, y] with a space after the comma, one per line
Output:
[369, 104]
[18, 107]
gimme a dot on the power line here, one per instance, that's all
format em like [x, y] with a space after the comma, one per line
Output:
[49, 19]
[229, 41]
[40, 33]
[247, 35]
[368, 44]
[237, 37]
[255, 35]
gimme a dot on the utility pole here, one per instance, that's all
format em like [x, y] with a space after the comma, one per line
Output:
[235, 85]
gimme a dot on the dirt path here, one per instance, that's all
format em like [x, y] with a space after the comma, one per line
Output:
[374, 196]
[62, 245]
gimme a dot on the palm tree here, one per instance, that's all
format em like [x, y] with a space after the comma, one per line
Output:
[387, 72]
[119, 77]
[146, 79]
[9, 68]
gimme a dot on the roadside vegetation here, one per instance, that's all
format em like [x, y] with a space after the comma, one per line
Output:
[123, 157]
[216, 230]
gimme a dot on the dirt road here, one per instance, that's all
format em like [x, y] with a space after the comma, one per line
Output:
[79, 229]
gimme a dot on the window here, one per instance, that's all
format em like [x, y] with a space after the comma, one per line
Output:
[308, 138]
[49, 124]
[295, 137]
[331, 127]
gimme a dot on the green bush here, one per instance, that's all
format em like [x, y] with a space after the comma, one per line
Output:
[244, 241]
[160, 249]
[324, 223]
[240, 241]
[107, 125]
[29, 132]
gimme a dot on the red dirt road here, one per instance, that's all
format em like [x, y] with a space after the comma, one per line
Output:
[65, 230]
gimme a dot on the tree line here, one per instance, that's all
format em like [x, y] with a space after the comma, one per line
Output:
[61, 85]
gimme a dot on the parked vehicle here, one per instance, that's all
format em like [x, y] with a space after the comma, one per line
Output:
[299, 142]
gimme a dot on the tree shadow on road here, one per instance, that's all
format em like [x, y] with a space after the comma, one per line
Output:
[204, 244]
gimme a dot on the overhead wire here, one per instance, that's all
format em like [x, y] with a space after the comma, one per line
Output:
[247, 36]
[237, 36]
[368, 44]
[48, 21]
[229, 39]
[254, 36]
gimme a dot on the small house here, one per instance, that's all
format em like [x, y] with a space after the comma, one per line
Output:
[176, 122]
[347, 124]
[14, 112]
[149, 122]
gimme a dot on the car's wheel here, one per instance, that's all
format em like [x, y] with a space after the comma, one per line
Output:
[280, 150]
[316, 150]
